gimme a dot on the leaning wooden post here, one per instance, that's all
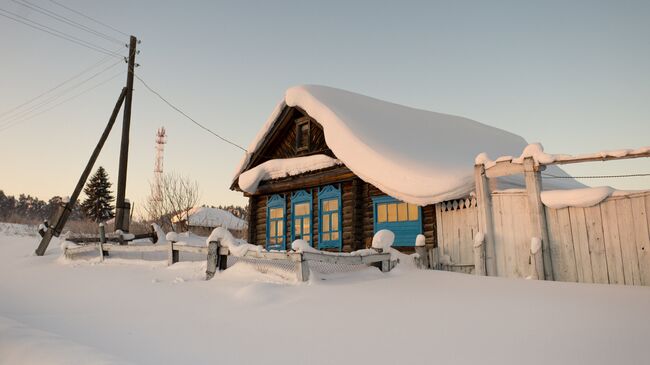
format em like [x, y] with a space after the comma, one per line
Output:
[537, 212]
[479, 255]
[485, 218]
[213, 258]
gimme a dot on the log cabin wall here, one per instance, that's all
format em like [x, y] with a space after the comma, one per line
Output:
[357, 216]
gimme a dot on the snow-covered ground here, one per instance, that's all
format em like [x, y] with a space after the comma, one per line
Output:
[54, 311]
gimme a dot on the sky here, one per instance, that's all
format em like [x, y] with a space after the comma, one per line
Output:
[573, 75]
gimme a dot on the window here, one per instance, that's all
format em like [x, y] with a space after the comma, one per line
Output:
[403, 219]
[302, 135]
[329, 207]
[301, 216]
[275, 213]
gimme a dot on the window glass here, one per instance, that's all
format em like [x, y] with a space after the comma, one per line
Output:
[301, 209]
[335, 236]
[272, 227]
[326, 223]
[326, 236]
[305, 226]
[381, 213]
[414, 213]
[296, 229]
[280, 229]
[402, 210]
[392, 212]
[335, 221]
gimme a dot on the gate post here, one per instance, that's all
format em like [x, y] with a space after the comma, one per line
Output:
[485, 220]
[537, 212]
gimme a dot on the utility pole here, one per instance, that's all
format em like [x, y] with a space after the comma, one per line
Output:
[120, 203]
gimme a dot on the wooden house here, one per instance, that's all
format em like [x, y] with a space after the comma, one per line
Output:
[333, 167]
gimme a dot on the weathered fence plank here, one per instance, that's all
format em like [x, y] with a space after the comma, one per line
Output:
[627, 241]
[641, 222]
[566, 257]
[581, 245]
[612, 243]
[596, 236]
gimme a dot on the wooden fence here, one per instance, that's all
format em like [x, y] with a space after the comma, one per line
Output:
[605, 243]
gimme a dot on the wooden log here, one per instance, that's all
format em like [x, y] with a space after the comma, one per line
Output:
[212, 260]
[485, 218]
[479, 258]
[422, 262]
[537, 212]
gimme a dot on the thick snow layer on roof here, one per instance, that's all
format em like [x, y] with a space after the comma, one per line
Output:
[214, 217]
[414, 155]
[283, 167]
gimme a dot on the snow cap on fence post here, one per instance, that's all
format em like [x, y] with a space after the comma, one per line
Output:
[383, 240]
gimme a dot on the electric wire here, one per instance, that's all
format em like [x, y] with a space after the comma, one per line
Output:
[44, 28]
[89, 18]
[85, 91]
[187, 116]
[66, 20]
[100, 62]
[44, 103]
[550, 176]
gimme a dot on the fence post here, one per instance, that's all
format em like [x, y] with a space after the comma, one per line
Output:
[537, 212]
[479, 258]
[422, 262]
[102, 240]
[485, 219]
[302, 269]
[172, 255]
[213, 258]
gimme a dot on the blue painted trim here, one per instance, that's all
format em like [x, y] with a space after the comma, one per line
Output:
[276, 201]
[330, 192]
[300, 197]
[405, 232]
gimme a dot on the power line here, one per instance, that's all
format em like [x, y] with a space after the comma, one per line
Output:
[62, 102]
[66, 20]
[56, 96]
[188, 117]
[44, 28]
[103, 60]
[550, 176]
[89, 18]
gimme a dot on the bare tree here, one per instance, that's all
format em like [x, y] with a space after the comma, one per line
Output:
[178, 195]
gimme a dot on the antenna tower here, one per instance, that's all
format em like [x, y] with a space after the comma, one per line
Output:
[161, 140]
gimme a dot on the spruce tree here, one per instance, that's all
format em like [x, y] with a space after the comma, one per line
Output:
[97, 205]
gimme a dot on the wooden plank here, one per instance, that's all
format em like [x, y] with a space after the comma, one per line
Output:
[596, 241]
[499, 240]
[485, 219]
[537, 212]
[625, 223]
[455, 239]
[641, 222]
[567, 261]
[579, 159]
[581, 245]
[290, 256]
[191, 249]
[509, 243]
[136, 248]
[612, 243]
[522, 233]
[71, 251]
[554, 239]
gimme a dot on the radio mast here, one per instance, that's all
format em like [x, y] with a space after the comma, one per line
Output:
[161, 140]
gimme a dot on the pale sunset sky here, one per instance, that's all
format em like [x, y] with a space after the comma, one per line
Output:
[574, 75]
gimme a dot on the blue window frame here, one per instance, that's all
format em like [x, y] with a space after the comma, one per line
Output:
[275, 223]
[329, 222]
[301, 216]
[403, 219]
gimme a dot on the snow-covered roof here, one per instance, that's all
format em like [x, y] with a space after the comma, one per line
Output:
[414, 155]
[214, 217]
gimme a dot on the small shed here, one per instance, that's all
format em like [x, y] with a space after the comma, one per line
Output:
[333, 167]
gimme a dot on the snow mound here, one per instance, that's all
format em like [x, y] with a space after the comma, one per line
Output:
[237, 247]
[278, 168]
[414, 155]
[582, 198]
[383, 239]
[302, 246]
[420, 240]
